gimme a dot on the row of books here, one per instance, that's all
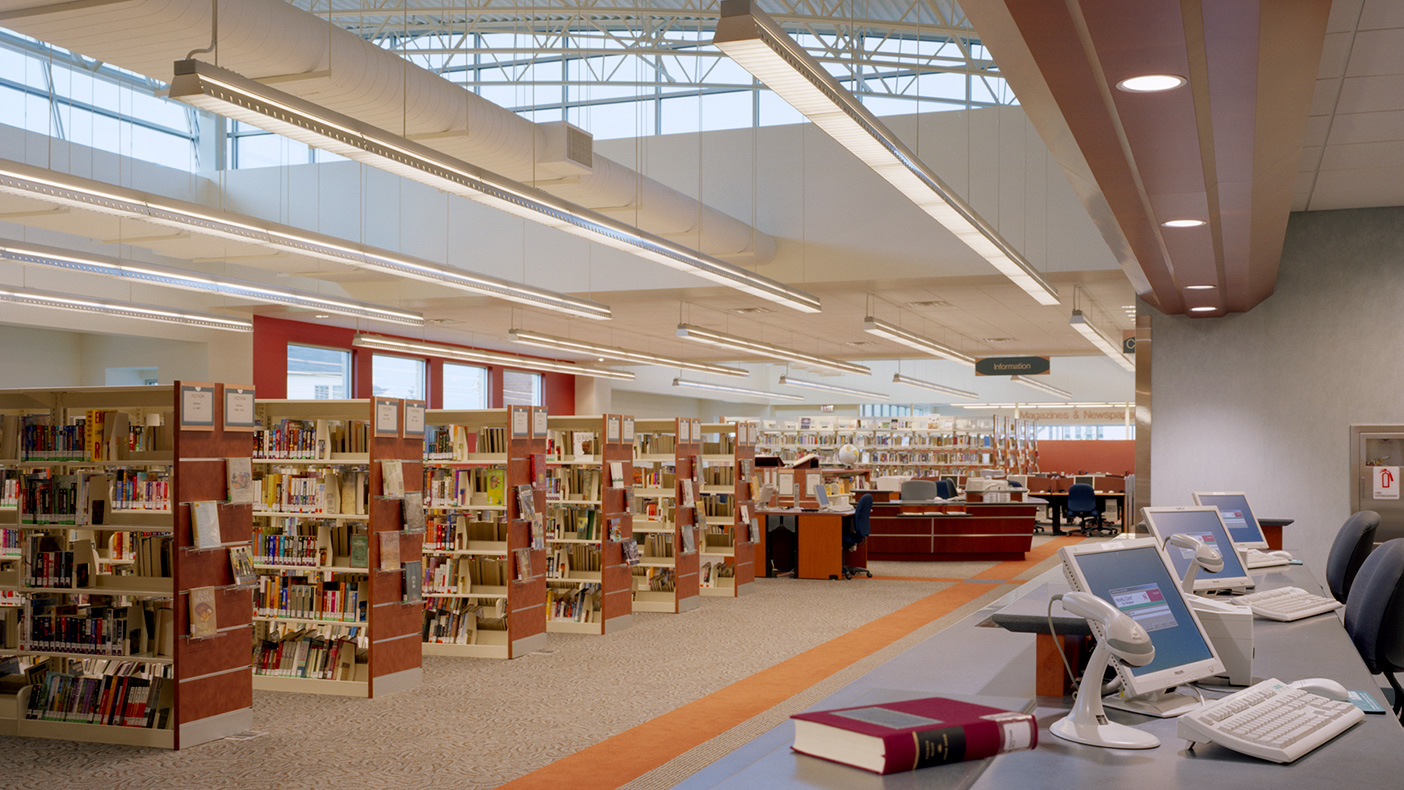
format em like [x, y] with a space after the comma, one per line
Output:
[476, 487]
[457, 621]
[84, 499]
[291, 596]
[658, 544]
[581, 523]
[455, 533]
[305, 655]
[655, 444]
[457, 442]
[448, 575]
[656, 579]
[10, 540]
[149, 552]
[571, 445]
[573, 483]
[566, 559]
[711, 573]
[274, 546]
[121, 700]
[331, 491]
[50, 625]
[580, 604]
[9, 488]
[718, 476]
[140, 489]
[45, 563]
[311, 439]
[654, 477]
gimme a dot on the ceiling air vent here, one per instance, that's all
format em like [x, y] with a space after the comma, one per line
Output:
[567, 149]
[930, 303]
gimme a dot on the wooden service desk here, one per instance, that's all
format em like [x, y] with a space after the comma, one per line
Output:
[934, 531]
[808, 541]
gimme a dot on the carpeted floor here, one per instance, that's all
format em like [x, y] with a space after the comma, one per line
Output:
[479, 724]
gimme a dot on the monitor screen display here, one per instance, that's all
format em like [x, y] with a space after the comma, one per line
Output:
[821, 495]
[1242, 526]
[1136, 582]
[1087, 480]
[1203, 523]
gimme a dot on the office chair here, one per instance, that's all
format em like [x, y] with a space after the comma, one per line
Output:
[1373, 611]
[945, 489]
[919, 491]
[861, 528]
[1349, 550]
[1082, 504]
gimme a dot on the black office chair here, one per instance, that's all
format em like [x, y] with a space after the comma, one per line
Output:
[945, 489]
[1373, 611]
[1349, 550]
[918, 490]
[861, 527]
[1082, 504]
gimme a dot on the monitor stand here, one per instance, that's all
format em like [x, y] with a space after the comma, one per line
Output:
[1160, 704]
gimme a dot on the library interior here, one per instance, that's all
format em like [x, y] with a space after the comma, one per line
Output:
[724, 394]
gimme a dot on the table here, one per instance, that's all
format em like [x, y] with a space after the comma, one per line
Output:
[951, 530]
[818, 550]
[1058, 502]
[969, 659]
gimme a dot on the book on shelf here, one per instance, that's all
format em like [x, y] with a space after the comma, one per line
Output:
[360, 550]
[616, 474]
[903, 736]
[689, 498]
[631, 551]
[414, 581]
[203, 617]
[526, 502]
[392, 477]
[238, 477]
[204, 520]
[689, 538]
[522, 563]
[389, 551]
[755, 530]
[242, 565]
[413, 509]
[538, 531]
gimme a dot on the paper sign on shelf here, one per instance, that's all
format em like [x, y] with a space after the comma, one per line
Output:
[1386, 482]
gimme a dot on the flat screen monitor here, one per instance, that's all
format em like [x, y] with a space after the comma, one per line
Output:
[1243, 526]
[1203, 523]
[1021, 481]
[1086, 480]
[1135, 577]
[821, 495]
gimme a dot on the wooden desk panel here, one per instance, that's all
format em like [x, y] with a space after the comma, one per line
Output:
[999, 532]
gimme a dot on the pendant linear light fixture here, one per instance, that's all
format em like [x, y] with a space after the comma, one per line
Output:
[36, 255]
[818, 385]
[1074, 405]
[83, 304]
[705, 385]
[229, 94]
[395, 346]
[1104, 344]
[1029, 381]
[66, 190]
[722, 340]
[876, 326]
[898, 378]
[611, 352]
[759, 45]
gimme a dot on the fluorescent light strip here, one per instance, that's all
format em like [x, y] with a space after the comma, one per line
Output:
[898, 378]
[1028, 381]
[231, 95]
[485, 357]
[876, 326]
[1074, 405]
[816, 385]
[35, 255]
[166, 315]
[1102, 342]
[704, 335]
[704, 385]
[759, 45]
[611, 352]
[31, 182]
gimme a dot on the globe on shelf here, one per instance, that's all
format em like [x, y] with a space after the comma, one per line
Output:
[847, 455]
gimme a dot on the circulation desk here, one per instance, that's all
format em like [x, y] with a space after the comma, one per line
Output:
[937, 531]
[817, 543]
[969, 659]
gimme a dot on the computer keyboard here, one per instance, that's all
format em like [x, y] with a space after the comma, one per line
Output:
[1270, 720]
[1263, 559]
[1286, 603]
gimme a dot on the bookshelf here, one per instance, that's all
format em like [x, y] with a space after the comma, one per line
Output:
[589, 468]
[727, 553]
[934, 446]
[336, 546]
[665, 453]
[82, 451]
[476, 465]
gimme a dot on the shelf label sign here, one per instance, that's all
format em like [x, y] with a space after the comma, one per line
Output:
[1012, 366]
[1386, 481]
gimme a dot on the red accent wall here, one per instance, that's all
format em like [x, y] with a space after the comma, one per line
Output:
[270, 343]
[1076, 457]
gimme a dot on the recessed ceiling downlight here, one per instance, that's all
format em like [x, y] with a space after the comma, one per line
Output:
[1182, 223]
[1151, 83]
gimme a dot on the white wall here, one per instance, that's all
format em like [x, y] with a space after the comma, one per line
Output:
[31, 357]
[39, 358]
[1262, 402]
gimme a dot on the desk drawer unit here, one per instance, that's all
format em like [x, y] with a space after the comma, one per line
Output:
[942, 537]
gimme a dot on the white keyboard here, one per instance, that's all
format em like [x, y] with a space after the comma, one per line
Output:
[1255, 559]
[1270, 720]
[1286, 603]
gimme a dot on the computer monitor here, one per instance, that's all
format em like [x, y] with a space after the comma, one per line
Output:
[1086, 480]
[821, 495]
[1136, 577]
[1204, 523]
[1022, 481]
[1243, 526]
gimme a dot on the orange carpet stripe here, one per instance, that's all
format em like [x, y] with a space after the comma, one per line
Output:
[630, 754]
[918, 579]
[1012, 568]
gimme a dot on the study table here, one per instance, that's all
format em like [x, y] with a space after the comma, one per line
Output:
[967, 659]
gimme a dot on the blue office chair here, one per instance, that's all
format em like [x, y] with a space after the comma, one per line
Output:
[1373, 611]
[1349, 550]
[1082, 504]
[945, 489]
[858, 532]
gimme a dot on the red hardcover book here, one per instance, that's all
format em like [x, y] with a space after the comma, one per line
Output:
[903, 736]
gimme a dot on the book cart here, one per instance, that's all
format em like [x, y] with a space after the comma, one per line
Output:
[337, 545]
[102, 632]
[665, 453]
[589, 584]
[485, 557]
[726, 510]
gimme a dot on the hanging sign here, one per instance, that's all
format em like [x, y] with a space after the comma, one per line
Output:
[1011, 366]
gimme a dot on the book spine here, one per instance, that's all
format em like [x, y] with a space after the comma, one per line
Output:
[941, 745]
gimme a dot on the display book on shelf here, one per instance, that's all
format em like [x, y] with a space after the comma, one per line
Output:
[930, 446]
[665, 453]
[726, 510]
[337, 545]
[126, 631]
[485, 549]
[589, 580]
